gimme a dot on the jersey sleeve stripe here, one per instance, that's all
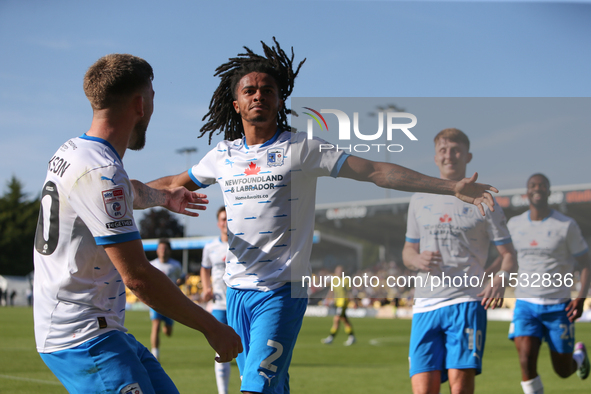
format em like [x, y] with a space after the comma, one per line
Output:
[581, 253]
[117, 238]
[337, 167]
[413, 240]
[201, 185]
[503, 241]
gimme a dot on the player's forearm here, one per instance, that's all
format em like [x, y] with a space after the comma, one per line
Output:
[205, 278]
[585, 278]
[392, 176]
[409, 255]
[154, 289]
[146, 196]
[509, 263]
[172, 181]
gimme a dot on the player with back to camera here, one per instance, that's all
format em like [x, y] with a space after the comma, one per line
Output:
[213, 268]
[174, 270]
[266, 172]
[547, 244]
[447, 236]
[88, 248]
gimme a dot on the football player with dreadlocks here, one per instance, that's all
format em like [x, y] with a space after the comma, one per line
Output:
[268, 178]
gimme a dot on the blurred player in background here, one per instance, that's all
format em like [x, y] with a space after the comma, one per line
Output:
[447, 236]
[546, 242]
[213, 268]
[88, 247]
[341, 300]
[174, 270]
[266, 172]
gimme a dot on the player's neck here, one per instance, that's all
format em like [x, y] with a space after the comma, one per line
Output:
[114, 130]
[224, 237]
[539, 213]
[256, 134]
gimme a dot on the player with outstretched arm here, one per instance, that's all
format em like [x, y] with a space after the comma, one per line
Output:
[268, 178]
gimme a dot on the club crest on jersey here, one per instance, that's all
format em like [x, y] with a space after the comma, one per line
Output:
[114, 201]
[275, 157]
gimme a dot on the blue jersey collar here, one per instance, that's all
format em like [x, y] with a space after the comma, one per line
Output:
[267, 143]
[543, 220]
[102, 141]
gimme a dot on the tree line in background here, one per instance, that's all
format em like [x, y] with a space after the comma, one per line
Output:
[18, 223]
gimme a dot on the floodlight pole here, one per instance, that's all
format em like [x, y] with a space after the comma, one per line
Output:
[187, 152]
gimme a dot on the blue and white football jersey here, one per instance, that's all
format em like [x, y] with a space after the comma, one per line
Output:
[172, 268]
[214, 258]
[462, 235]
[86, 202]
[545, 247]
[269, 192]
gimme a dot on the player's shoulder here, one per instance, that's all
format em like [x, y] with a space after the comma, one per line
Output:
[420, 196]
[83, 152]
[559, 217]
[521, 218]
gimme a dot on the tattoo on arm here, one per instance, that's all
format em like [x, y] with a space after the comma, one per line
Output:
[147, 197]
[404, 179]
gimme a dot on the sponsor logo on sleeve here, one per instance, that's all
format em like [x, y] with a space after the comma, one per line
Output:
[114, 201]
[132, 389]
[119, 223]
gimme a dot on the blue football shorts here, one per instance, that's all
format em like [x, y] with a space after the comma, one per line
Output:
[547, 322]
[114, 362]
[155, 315]
[268, 324]
[451, 337]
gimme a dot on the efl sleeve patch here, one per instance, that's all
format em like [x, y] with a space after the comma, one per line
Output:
[132, 389]
[114, 201]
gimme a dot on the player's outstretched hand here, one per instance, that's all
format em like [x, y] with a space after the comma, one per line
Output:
[574, 309]
[225, 342]
[471, 192]
[181, 200]
[427, 261]
[493, 293]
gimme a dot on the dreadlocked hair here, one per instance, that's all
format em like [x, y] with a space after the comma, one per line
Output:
[222, 116]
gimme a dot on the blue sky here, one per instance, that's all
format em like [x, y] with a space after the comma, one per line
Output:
[360, 49]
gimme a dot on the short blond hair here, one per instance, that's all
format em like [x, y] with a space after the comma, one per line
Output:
[115, 77]
[453, 135]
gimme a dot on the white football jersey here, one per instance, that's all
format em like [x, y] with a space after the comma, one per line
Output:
[462, 235]
[214, 258]
[86, 202]
[172, 268]
[269, 192]
[545, 247]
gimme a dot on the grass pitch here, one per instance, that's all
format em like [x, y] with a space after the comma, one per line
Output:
[377, 363]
